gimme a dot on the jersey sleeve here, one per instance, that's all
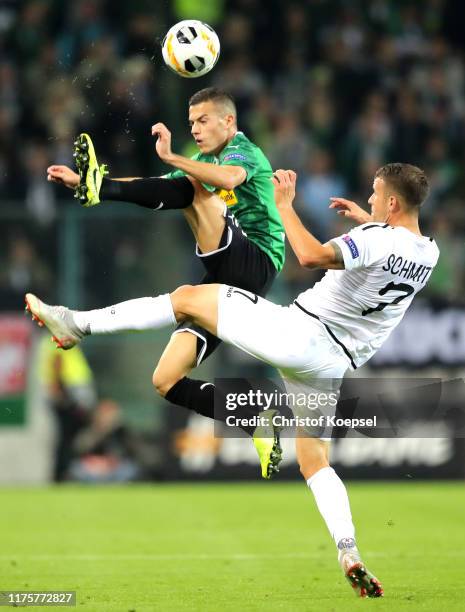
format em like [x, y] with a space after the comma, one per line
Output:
[176, 173]
[242, 156]
[362, 246]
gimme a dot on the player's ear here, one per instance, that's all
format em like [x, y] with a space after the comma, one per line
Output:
[229, 119]
[393, 203]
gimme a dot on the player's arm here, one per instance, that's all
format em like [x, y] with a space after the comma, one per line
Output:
[225, 177]
[310, 252]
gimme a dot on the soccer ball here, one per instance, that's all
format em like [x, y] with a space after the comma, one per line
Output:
[191, 48]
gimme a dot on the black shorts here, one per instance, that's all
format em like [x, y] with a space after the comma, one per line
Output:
[238, 262]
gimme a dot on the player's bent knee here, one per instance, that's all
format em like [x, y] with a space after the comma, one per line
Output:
[186, 301]
[181, 299]
[182, 292]
[199, 190]
[162, 383]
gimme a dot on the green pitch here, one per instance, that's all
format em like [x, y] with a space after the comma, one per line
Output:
[260, 546]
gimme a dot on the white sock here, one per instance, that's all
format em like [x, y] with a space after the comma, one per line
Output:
[333, 503]
[133, 315]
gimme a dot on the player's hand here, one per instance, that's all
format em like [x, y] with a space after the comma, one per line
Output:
[163, 143]
[63, 175]
[284, 187]
[351, 210]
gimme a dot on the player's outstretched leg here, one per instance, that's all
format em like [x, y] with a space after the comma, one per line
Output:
[58, 319]
[333, 503]
[90, 173]
[155, 193]
[68, 327]
[364, 583]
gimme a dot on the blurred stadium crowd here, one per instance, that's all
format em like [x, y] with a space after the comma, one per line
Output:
[330, 88]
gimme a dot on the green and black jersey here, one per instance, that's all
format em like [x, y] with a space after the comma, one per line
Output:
[252, 202]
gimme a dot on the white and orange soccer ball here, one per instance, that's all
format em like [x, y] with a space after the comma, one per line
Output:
[191, 48]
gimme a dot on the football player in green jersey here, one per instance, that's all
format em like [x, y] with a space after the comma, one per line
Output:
[226, 195]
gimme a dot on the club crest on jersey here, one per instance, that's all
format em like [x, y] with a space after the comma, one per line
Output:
[352, 246]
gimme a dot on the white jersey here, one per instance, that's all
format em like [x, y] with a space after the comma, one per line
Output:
[385, 267]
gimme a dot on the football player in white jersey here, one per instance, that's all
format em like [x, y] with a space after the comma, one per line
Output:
[374, 271]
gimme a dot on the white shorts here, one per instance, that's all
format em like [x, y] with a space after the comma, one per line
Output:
[285, 337]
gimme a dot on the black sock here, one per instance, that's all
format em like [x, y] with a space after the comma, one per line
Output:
[199, 396]
[155, 193]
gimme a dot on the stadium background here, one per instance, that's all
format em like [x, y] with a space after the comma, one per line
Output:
[332, 89]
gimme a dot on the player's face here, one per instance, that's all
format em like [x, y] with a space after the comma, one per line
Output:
[210, 127]
[379, 201]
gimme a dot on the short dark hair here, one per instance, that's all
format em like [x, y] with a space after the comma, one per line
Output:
[214, 94]
[408, 181]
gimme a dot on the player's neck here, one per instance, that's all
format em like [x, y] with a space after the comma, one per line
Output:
[409, 222]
